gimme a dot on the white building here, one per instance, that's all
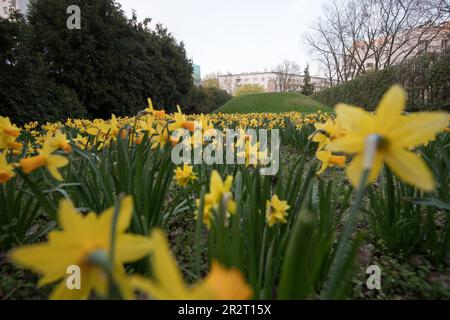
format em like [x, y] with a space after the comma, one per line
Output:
[6, 6]
[407, 44]
[268, 80]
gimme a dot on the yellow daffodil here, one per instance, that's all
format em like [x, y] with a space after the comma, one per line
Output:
[167, 282]
[59, 141]
[45, 159]
[81, 142]
[83, 241]
[326, 132]
[328, 159]
[396, 134]
[208, 206]
[185, 175]
[158, 114]
[219, 192]
[8, 135]
[7, 128]
[105, 131]
[160, 138]
[276, 211]
[147, 125]
[6, 170]
[178, 121]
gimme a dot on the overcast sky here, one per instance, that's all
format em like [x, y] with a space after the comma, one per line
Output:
[235, 35]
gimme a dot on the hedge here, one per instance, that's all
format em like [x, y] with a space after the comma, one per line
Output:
[426, 78]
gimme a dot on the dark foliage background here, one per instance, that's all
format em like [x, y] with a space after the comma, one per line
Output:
[111, 65]
[426, 78]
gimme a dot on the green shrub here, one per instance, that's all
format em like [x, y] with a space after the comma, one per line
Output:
[205, 99]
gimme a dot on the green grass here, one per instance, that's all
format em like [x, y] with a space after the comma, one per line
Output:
[273, 102]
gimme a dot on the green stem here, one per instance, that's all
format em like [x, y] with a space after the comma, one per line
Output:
[198, 234]
[48, 206]
[262, 259]
[113, 290]
[337, 271]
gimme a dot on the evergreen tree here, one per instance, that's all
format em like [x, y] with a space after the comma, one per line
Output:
[112, 63]
[307, 87]
[26, 92]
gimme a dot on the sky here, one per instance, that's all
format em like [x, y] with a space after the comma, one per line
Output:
[236, 35]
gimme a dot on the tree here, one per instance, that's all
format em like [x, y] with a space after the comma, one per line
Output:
[356, 36]
[113, 63]
[249, 88]
[26, 92]
[288, 79]
[211, 80]
[307, 87]
[205, 100]
[228, 83]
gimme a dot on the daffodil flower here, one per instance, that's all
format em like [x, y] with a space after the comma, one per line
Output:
[59, 141]
[160, 138]
[219, 191]
[184, 175]
[276, 211]
[396, 133]
[46, 158]
[8, 134]
[6, 170]
[326, 132]
[158, 114]
[328, 159]
[81, 142]
[83, 241]
[167, 281]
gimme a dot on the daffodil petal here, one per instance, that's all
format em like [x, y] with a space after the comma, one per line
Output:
[68, 217]
[351, 143]
[165, 266]
[418, 129]
[57, 161]
[390, 107]
[126, 213]
[355, 169]
[124, 219]
[354, 118]
[123, 282]
[132, 247]
[226, 284]
[50, 261]
[55, 173]
[409, 167]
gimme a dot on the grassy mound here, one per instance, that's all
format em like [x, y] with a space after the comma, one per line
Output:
[273, 102]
